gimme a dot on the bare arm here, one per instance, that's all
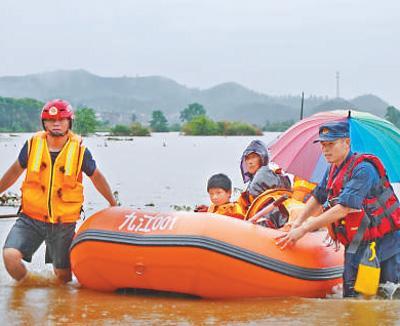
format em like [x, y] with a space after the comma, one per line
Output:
[11, 175]
[331, 215]
[102, 186]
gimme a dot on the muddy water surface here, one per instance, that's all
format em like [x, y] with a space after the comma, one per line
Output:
[156, 173]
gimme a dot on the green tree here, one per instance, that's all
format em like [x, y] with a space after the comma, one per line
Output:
[138, 130]
[85, 121]
[135, 129]
[237, 128]
[204, 126]
[103, 125]
[175, 127]
[158, 122]
[201, 125]
[193, 110]
[393, 115]
[121, 130]
[278, 126]
[20, 115]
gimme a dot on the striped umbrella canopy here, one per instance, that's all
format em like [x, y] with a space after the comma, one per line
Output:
[296, 153]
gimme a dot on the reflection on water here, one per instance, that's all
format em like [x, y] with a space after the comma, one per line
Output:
[70, 304]
[145, 171]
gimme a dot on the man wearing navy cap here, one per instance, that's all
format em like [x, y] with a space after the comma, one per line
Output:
[359, 206]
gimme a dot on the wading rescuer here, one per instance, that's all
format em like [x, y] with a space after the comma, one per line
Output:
[52, 193]
[360, 208]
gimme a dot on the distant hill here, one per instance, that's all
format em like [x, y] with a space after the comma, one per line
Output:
[117, 98]
[260, 113]
[294, 101]
[368, 103]
[334, 104]
[235, 102]
[371, 103]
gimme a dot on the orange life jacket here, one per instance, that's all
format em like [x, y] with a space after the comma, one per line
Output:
[302, 189]
[269, 196]
[245, 200]
[229, 209]
[53, 192]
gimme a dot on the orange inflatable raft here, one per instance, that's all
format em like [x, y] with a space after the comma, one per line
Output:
[201, 254]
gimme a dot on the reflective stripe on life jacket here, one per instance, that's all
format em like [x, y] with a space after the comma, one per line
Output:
[382, 209]
[53, 192]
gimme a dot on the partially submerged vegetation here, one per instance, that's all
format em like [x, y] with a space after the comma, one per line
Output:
[179, 208]
[135, 129]
[10, 199]
[118, 138]
[198, 124]
[278, 126]
[23, 115]
[205, 126]
[195, 122]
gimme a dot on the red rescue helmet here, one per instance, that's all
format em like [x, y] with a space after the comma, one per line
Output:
[57, 110]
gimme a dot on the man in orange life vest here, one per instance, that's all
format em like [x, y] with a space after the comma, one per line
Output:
[52, 193]
[359, 205]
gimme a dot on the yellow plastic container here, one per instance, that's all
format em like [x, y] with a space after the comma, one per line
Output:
[369, 272]
[367, 281]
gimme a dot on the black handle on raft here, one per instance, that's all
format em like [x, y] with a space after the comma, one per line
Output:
[8, 216]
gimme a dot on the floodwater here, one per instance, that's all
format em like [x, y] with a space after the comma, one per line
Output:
[160, 173]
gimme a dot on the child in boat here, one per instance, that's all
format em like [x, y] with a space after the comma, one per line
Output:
[219, 187]
[257, 173]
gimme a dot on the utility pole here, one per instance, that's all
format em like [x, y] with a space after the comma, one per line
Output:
[302, 106]
[337, 84]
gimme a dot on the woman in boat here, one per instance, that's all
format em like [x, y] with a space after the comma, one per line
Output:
[258, 174]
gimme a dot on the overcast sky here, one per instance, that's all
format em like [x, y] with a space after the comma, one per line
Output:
[277, 47]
